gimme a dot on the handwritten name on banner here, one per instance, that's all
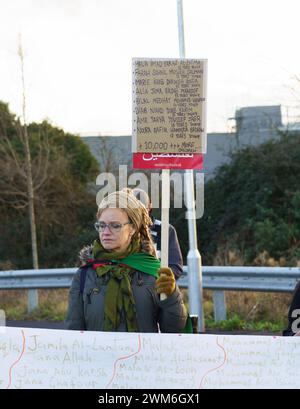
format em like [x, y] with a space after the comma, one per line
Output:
[36, 358]
[169, 105]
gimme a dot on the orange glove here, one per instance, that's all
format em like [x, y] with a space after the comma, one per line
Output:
[166, 281]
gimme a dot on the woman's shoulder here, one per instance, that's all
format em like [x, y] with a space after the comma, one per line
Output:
[83, 275]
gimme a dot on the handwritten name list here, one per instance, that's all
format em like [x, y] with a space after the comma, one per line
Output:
[35, 358]
[169, 105]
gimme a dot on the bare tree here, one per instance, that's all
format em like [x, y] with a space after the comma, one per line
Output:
[30, 191]
[13, 182]
[106, 155]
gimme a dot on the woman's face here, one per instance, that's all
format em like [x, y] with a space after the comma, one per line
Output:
[118, 236]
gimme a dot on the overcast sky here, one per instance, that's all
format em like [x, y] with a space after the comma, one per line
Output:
[78, 56]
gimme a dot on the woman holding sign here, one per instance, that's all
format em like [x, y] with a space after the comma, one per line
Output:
[118, 287]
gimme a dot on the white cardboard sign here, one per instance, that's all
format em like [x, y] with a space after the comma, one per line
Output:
[169, 105]
[41, 358]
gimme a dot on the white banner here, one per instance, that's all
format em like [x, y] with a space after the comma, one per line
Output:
[41, 358]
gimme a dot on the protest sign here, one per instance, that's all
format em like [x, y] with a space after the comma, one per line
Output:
[169, 105]
[36, 358]
[177, 161]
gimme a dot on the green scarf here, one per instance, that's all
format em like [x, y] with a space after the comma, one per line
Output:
[119, 296]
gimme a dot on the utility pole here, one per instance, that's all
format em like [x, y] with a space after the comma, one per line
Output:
[194, 258]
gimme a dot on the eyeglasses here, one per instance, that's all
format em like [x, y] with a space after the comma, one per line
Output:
[112, 227]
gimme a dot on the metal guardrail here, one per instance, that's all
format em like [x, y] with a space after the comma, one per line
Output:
[216, 278]
[268, 279]
[36, 279]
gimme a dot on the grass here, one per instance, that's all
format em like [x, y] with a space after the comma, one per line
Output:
[235, 323]
[52, 305]
[248, 311]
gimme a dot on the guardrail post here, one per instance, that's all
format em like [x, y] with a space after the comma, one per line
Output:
[2, 320]
[32, 300]
[219, 306]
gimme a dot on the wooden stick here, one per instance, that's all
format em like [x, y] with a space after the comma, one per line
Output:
[165, 207]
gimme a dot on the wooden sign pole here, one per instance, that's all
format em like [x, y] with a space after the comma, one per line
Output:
[165, 206]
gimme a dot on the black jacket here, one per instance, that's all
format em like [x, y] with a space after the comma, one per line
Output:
[86, 305]
[175, 256]
[295, 305]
